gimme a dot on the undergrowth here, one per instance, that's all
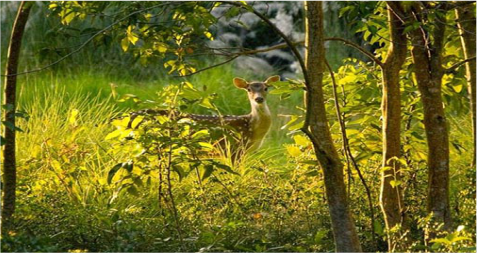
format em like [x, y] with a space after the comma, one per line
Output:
[275, 200]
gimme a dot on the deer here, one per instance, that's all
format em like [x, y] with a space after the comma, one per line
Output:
[252, 127]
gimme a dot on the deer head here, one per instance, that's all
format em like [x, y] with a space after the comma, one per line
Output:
[257, 91]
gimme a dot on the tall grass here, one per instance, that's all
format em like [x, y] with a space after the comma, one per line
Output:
[64, 159]
[70, 113]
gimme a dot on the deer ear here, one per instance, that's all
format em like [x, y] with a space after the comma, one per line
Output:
[272, 79]
[240, 83]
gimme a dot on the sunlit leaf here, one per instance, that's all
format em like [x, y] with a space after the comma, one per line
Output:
[457, 88]
[136, 121]
[113, 171]
[301, 140]
[113, 134]
[294, 151]
[206, 145]
[125, 44]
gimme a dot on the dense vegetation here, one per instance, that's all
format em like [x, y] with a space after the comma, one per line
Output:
[85, 182]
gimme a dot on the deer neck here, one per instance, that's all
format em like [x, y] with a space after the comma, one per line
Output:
[260, 111]
[260, 121]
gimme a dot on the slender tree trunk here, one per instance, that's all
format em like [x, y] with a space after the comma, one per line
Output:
[466, 23]
[429, 72]
[344, 231]
[9, 163]
[391, 194]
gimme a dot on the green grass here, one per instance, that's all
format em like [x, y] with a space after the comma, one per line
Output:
[63, 161]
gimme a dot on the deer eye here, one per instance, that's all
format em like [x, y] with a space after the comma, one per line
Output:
[266, 88]
[248, 89]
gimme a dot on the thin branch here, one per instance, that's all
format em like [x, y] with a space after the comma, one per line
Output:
[87, 41]
[213, 66]
[171, 196]
[358, 47]
[457, 65]
[263, 50]
[285, 45]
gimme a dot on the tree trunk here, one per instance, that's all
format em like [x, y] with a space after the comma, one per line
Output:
[429, 72]
[391, 194]
[344, 231]
[9, 163]
[466, 23]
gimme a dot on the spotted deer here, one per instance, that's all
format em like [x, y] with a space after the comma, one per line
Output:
[252, 127]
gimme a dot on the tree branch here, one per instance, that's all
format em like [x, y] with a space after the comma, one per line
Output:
[358, 47]
[457, 65]
[263, 50]
[213, 66]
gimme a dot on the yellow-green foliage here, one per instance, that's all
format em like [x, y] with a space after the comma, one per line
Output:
[273, 200]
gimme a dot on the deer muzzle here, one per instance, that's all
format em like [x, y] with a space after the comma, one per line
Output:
[259, 100]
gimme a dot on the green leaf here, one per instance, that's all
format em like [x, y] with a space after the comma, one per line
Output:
[136, 121]
[133, 190]
[208, 35]
[417, 136]
[10, 126]
[180, 172]
[7, 107]
[113, 134]
[457, 88]
[301, 140]
[319, 236]
[161, 47]
[67, 17]
[128, 166]
[225, 167]
[206, 145]
[395, 183]
[208, 169]
[232, 12]
[131, 35]
[373, 29]
[460, 238]
[294, 151]
[125, 44]
[441, 240]
[200, 134]
[113, 171]
[378, 228]
[133, 38]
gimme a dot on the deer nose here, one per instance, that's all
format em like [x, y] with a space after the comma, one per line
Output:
[259, 100]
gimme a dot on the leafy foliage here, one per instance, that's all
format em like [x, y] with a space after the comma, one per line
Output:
[171, 30]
